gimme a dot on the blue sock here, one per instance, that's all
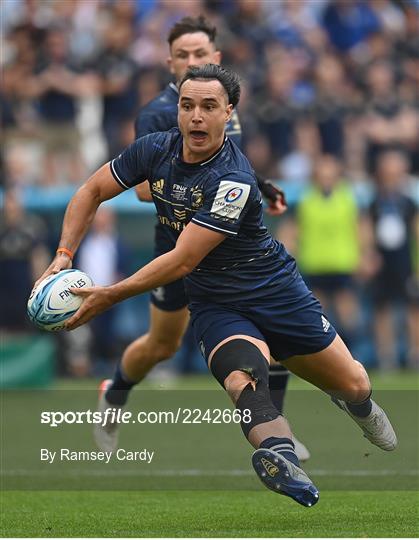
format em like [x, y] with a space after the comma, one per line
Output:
[362, 409]
[117, 393]
[283, 446]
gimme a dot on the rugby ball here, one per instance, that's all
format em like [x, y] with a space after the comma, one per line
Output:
[51, 302]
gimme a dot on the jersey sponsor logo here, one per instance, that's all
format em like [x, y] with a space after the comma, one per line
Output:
[175, 225]
[230, 200]
[325, 323]
[197, 198]
[158, 186]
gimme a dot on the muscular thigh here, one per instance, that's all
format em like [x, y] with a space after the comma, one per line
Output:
[331, 369]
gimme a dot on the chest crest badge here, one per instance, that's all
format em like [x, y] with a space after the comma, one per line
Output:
[197, 198]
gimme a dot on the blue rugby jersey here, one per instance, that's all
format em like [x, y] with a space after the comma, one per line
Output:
[161, 115]
[220, 194]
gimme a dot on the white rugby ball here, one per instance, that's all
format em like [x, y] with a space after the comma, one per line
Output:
[52, 303]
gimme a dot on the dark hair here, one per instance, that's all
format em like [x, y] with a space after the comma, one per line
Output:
[190, 25]
[229, 80]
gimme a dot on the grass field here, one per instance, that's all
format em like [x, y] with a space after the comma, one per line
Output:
[200, 483]
[209, 514]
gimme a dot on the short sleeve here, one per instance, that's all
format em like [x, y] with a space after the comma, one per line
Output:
[227, 200]
[132, 166]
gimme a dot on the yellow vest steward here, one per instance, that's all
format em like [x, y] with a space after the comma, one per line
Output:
[328, 231]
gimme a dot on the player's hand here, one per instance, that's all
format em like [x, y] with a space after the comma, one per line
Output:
[95, 301]
[60, 262]
[277, 203]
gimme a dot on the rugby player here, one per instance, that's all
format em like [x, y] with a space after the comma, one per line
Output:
[191, 42]
[246, 297]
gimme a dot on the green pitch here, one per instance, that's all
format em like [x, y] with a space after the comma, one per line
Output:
[208, 514]
[200, 483]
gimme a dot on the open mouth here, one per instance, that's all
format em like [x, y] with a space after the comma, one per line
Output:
[197, 135]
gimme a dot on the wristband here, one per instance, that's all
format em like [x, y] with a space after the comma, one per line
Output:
[66, 251]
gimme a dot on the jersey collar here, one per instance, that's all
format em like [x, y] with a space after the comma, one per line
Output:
[174, 87]
[199, 163]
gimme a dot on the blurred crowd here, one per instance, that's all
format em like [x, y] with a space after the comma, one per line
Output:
[330, 92]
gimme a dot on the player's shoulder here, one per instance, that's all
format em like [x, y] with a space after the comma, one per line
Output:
[234, 164]
[160, 114]
[163, 103]
[160, 141]
[167, 98]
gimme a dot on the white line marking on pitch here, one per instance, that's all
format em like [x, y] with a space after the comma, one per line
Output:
[198, 472]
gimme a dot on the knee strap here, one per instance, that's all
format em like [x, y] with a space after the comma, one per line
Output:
[256, 407]
[239, 355]
[255, 404]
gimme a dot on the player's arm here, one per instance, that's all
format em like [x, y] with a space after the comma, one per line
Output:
[193, 245]
[144, 124]
[80, 212]
[275, 197]
[143, 192]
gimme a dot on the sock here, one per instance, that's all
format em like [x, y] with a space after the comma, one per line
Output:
[278, 380]
[283, 446]
[362, 409]
[117, 393]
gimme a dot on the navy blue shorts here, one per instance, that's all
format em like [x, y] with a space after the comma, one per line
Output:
[290, 320]
[170, 297]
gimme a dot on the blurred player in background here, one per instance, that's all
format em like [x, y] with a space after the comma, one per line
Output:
[246, 296]
[191, 42]
[394, 239]
[324, 236]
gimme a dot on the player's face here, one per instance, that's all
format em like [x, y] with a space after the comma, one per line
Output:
[203, 113]
[191, 50]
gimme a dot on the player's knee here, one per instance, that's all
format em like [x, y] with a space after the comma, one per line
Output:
[242, 369]
[238, 362]
[236, 382]
[145, 349]
[358, 386]
[164, 350]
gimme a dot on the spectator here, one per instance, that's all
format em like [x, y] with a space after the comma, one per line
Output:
[117, 74]
[57, 83]
[395, 235]
[17, 113]
[23, 254]
[331, 104]
[349, 22]
[388, 119]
